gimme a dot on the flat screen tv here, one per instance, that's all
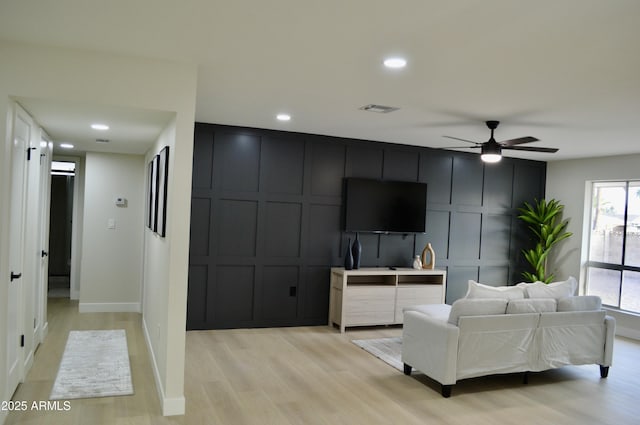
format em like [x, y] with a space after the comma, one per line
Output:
[384, 206]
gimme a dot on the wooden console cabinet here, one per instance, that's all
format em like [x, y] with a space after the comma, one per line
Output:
[376, 296]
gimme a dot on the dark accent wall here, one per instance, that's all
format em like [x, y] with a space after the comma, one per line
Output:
[266, 220]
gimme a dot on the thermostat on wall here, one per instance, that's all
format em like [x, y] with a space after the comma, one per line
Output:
[121, 202]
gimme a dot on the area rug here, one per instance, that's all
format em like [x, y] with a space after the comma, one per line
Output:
[388, 350]
[94, 364]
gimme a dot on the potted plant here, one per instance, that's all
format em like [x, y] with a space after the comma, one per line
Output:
[544, 221]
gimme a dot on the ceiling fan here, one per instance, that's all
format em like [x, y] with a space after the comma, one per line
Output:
[491, 151]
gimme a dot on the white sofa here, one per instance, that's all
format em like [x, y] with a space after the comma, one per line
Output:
[485, 336]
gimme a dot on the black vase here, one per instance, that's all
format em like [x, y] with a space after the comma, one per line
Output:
[348, 257]
[356, 252]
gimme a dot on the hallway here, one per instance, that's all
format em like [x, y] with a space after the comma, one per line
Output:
[141, 408]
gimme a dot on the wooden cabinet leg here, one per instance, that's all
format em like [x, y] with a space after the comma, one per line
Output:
[604, 371]
[407, 369]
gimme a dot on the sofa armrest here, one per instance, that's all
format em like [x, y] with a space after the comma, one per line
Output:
[431, 346]
[610, 330]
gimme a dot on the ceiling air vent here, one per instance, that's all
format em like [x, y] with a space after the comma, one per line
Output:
[102, 140]
[381, 109]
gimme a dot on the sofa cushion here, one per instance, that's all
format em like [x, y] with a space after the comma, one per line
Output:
[437, 311]
[531, 305]
[476, 307]
[580, 303]
[478, 290]
[555, 290]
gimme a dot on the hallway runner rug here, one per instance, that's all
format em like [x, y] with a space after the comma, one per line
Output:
[389, 350]
[94, 364]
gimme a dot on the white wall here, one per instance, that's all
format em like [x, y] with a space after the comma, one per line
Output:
[5, 172]
[101, 78]
[111, 259]
[159, 297]
[567, 181]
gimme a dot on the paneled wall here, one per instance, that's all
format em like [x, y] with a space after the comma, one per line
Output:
[266, 220]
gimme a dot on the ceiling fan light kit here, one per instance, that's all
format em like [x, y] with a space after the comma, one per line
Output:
[491, 155]
[491, 151]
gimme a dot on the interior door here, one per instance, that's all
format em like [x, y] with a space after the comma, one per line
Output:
[40, 298]
[21, 134]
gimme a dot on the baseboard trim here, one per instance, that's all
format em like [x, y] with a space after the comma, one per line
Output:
[44, 331]
[628, 332]
[173, 406]
[109, 308]
[170, 406]
[28, 363]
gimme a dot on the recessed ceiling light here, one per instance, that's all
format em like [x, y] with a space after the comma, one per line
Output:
[283, 117]
[395, 63]
[66, 145]
[101, 127]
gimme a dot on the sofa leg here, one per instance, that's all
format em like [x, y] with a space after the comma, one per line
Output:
[604, 371]
[525, 378]
[446, 391]
[407, 369]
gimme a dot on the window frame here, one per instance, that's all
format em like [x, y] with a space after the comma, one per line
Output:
[611, 266]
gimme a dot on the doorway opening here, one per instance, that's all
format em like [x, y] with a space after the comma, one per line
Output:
[60, 230]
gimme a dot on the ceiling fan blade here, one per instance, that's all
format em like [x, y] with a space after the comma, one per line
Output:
[519, 140]
[463, 140]
[462, 147]
[531, 149]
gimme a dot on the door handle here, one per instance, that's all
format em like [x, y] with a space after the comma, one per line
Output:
[44, 253]
[15, 276]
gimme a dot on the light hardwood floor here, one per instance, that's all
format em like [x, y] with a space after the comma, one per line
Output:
[315, 375]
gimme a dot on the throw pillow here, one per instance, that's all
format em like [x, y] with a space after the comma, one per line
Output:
[555, 290]
[476, 307]
[528, 305]
[580, 303]
[478, 290]
[436, 311]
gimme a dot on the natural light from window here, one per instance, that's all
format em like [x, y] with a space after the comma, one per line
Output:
[614, 244]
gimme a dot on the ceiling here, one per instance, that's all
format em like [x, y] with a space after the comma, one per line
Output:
[566, 72]
[131, 131]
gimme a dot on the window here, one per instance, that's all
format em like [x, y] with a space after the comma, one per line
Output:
[63, 168]
[613, 268]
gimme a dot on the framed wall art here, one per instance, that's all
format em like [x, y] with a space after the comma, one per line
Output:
[163, 173]
[156, 203]
[154, 193]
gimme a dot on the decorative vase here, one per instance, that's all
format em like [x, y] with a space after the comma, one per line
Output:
[348, 257]
[356, 252]
[417, 263]
[432, 257]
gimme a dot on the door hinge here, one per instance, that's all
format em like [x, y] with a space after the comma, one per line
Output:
[34, 323]
[21, 340]
[29, 153]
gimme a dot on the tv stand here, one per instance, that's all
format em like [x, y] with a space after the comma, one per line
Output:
[376, 296]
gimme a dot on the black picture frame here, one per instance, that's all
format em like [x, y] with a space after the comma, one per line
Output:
[153, 190]
[163, 174]
[149, 203]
